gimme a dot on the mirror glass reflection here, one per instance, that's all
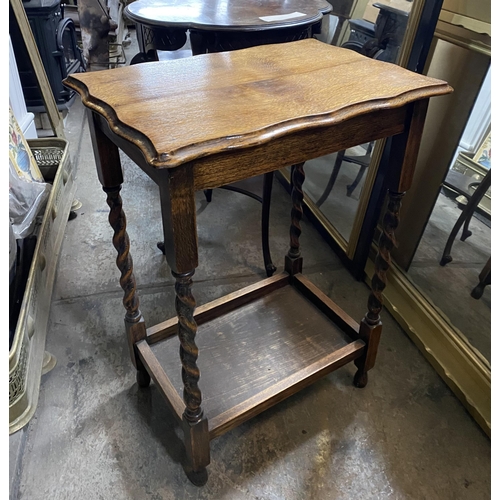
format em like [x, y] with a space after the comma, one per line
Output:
[376, 29]
[452, 263]
[459, 289]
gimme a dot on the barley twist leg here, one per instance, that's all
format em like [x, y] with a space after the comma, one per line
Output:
[298, 177]
[371, 326]
[185, 305]
[134, 322]
[195, 425]
[293, 260]
[383, 260]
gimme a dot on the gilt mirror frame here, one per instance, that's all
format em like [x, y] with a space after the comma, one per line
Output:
[463, 368]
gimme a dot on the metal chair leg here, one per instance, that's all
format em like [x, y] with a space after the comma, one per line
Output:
[208, 194]
[357, 180]
[266, 208]
[465, 216]
[484, 281]
[333, 178]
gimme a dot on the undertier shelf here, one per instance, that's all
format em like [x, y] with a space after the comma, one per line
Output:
[262, 351]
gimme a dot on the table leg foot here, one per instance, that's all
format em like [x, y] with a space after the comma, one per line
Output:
[478, 291]
[142, 377]
[197, 443]
[445, 259]
[270, 270]
[198, 477]
[360, 379]
[370, 333]
[484, 281]
[161, 246]
[465, 234]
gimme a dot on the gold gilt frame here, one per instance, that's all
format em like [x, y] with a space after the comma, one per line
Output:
[462, 367]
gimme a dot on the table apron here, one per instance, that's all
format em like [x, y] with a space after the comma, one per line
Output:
[238, 164]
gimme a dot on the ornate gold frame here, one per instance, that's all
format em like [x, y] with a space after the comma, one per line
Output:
[462, 367]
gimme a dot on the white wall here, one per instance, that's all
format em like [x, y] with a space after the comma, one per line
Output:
[16, 99]
[479, 121]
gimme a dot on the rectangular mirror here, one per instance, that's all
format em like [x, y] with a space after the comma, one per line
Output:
[345, 192]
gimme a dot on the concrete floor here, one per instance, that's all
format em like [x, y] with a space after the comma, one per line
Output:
[96, 435]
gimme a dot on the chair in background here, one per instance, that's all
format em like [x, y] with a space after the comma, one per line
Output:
[484, 281]
[380, 40]
[363, 162]
[266, 209]
[467, 212]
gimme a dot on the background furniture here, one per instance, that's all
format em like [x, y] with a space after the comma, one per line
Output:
[241, 24]
[56, 41]
[484, 281]
[475, 164]
[467, 212]
[382, 39]
[102, 30]
[363, 161]
[379, 40]
[28, 359]
[212, 28]
[299, 103]
[22, 22]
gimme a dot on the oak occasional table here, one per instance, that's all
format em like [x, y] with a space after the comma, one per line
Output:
[271, 339]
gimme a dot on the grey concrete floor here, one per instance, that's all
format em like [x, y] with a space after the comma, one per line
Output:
[96, 435]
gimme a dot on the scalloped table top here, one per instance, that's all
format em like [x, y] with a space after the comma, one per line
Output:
[180, 110]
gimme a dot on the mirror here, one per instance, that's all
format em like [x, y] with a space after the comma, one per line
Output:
[335, 183]
[439, 288]
[451, 264]
[433, 303]
[445, 236]
[338, 186]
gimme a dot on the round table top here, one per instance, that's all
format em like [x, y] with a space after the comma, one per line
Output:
[227, 15]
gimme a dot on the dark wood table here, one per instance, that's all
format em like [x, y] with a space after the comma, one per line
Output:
[216, 26]
[255, 347]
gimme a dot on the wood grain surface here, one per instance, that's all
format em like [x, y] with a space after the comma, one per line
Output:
[177, 111]
[248, 350]
[230, 15]
[222, 305]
